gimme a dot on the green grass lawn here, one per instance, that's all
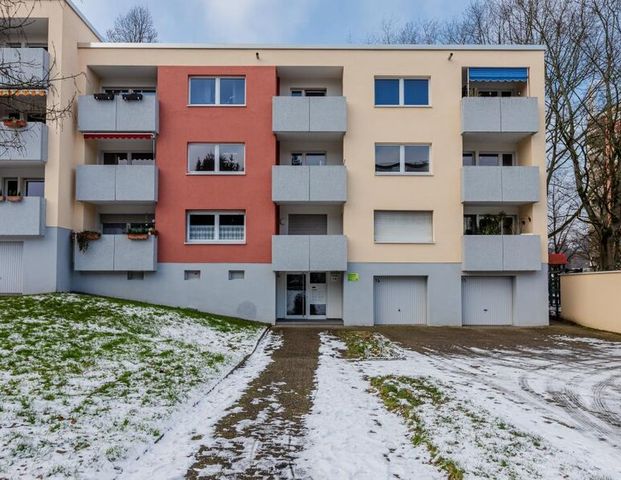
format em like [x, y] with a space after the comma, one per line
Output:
[85, 381]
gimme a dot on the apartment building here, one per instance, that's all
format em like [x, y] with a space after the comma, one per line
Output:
[367, 184]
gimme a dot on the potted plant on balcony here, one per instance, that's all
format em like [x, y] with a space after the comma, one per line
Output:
[84, 238]
[132, 97]
[1, 196]
[138, 233]
[15, 198]
[14, 123]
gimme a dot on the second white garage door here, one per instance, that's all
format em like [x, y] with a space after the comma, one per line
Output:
[400, 300]
[487, 300]
[11, 267]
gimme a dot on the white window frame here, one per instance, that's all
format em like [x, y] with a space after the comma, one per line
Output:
[402, 91]
[216, 214]
[305, 89]
[402, 171]
[216, 165]
[304, 153]
[401, 242]
[217, 91]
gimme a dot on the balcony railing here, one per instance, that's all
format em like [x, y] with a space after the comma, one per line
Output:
[116, 183]
[118, 115]
[292, 253]
[25, 218]
[24, 67]
[117, 253]
[301, 184]
[508, 185]
[514, 116]
[23, 145]
[499, 253]
[309, 115]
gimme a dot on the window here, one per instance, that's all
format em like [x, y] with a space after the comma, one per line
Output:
[308, 92]
[191, 274]
[127, 158]
[223, 227]
[468, 159]
[119, 224]
[401, 91]
[308, 158]
[490, 224]
[403, 226]
[401, 159]
[495, 159]
[135, 275]
[217, 91]
[11, 187]
[236, 274]
[202, 158]
[35, 188]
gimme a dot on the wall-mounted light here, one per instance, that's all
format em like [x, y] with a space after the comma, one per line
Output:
[450, 56]
[257, 54]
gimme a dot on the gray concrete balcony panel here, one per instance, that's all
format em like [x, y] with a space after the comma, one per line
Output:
[521, 252]
[116, 183]
[117, 253]
[24, 67]
[98, 257]
[515, 116]
[135, 255]
[299, 184]
[501, 253]
[24, 145]
[509, 185]
[309, 115]
[118, 115]
[291, 253]
[23, 219]
[328, 253]
[482, 253]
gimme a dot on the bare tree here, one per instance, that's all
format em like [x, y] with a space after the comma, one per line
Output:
[28, 82]
[136, 26]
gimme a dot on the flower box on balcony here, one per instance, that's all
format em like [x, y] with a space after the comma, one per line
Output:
[14, 123]
[15, 198]
[106, 97]
[132, 97]
[138, 236]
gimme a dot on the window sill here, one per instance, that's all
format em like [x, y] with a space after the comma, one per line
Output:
[216, 174]
[402, 106]
[211, 105]
[405, 174]
[404, 243]
[216, 242]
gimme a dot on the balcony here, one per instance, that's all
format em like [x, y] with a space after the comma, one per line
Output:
[118, 115]
[105, 184]
[500, 253]
[23, 145]
[512, 117]
[117, 253]
[507, 185]
[23, 219]
[315, 184]
[29, 67]
[304, 253]
[309, 115]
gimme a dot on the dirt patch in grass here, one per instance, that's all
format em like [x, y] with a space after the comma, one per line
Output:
[368, 345]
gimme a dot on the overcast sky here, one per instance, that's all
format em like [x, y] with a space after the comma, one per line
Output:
[269, 21]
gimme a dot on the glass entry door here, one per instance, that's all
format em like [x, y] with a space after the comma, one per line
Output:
[307, 295]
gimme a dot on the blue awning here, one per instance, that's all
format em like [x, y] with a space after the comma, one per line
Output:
[497, 74]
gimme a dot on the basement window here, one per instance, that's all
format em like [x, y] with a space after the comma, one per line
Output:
[135, 275]
[236, 274]
[191, 274]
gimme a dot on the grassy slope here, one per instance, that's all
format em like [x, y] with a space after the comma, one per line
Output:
[87, 376]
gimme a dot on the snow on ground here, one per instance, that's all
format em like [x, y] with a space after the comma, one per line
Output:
[173, 455]
[88, 382]
[502, 414]
[351, 435]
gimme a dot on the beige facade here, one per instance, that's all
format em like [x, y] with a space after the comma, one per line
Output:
[592, 299]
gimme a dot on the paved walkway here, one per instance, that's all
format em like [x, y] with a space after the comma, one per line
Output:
[261, 436]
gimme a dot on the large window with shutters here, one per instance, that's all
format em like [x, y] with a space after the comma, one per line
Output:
[402, 226]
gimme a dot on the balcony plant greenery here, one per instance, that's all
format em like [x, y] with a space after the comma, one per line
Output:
[142, 232]
[84, 238]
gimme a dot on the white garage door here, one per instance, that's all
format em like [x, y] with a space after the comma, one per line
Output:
[11, 267]
[487, 300]
[400, 300]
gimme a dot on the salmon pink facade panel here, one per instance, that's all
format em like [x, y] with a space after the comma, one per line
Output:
[180, 191]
